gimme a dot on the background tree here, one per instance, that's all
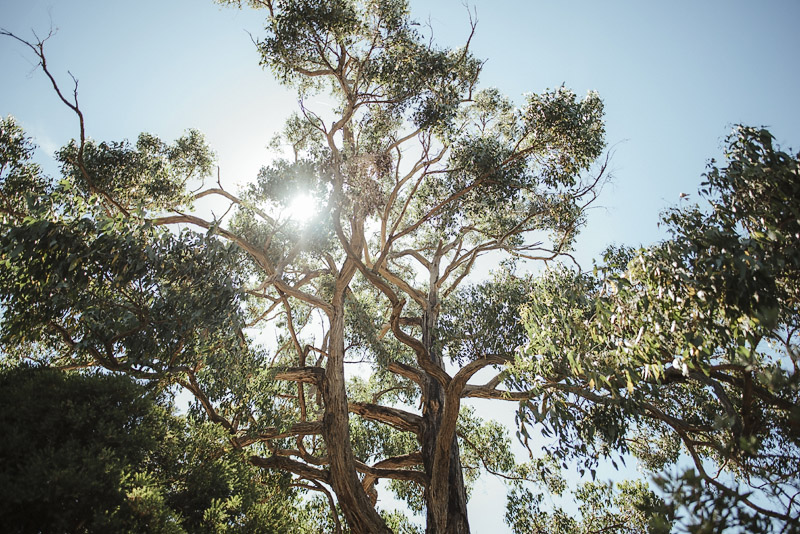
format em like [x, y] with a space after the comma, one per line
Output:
[627, 508]
[99, 453]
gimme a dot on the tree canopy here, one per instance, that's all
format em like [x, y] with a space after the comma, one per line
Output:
[338, 349]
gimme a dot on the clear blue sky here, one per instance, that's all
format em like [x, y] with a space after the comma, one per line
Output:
[675, 76]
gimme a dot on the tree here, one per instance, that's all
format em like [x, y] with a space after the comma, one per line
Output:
[688, 346]
[98, 453]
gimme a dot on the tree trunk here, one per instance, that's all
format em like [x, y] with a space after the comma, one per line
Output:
[446, 501]
[361, 516]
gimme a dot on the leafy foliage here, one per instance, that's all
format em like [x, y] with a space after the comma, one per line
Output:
[690, 344]
[150, 174]
[630, 507]
[20, 178]
[99, 453]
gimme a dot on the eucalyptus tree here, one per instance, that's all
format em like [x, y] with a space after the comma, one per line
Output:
[415, 171]
[480, 176]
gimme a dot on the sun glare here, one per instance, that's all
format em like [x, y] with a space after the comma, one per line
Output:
[302, 208]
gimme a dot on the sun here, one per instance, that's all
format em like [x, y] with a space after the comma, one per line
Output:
[302, 208]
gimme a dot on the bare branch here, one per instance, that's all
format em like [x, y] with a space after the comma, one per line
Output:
[406, 371]
[407, 460]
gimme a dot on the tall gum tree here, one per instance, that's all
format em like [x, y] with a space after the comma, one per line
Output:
[481, 175]
[415, 173]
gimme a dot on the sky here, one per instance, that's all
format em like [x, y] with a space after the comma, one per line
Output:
[674, 76]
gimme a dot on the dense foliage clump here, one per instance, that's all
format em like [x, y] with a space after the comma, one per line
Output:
[100, 453]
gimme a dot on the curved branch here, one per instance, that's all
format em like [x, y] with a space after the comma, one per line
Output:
[406, 371]
[399, 419]
[465, 373]
[407, 460]
[194, 388]
[256, 253]
[236, 200]
[390, 468]
[306, 428]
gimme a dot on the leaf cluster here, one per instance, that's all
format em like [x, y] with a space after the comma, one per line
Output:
[148, 175]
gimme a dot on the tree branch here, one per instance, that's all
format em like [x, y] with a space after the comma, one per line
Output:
[305, 375]
[399, 419]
